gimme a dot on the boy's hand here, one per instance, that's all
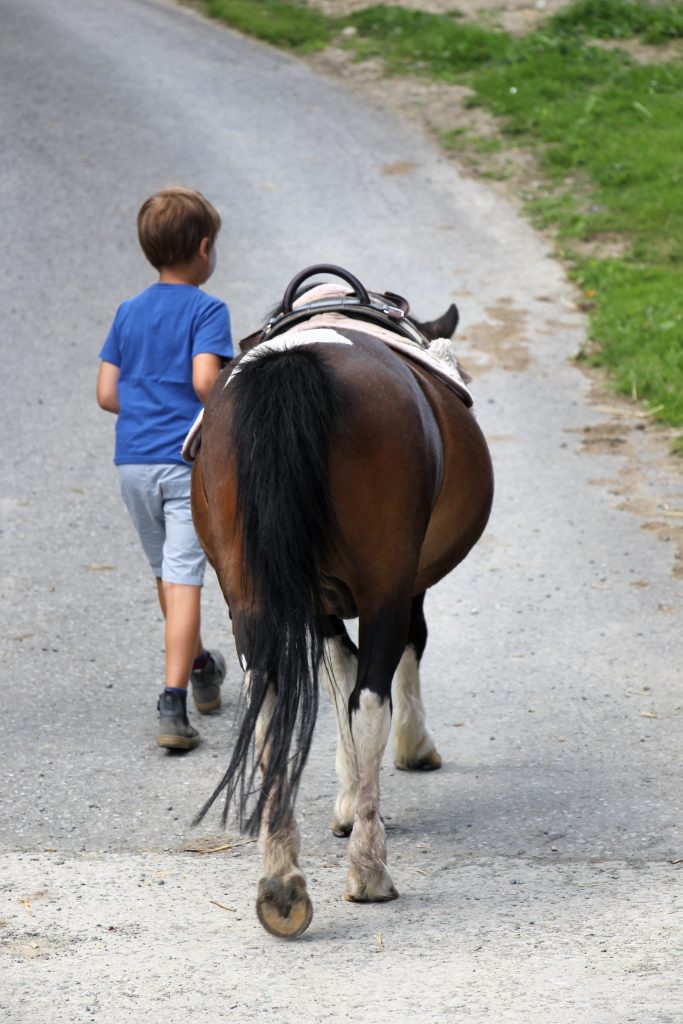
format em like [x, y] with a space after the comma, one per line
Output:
[205, 369]
[107, 387]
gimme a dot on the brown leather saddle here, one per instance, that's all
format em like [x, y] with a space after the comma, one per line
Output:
[387, 310]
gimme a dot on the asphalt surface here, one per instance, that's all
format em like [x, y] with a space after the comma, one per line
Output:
[539, 871]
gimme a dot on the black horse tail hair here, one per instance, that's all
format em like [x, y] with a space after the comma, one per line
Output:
[286, 406]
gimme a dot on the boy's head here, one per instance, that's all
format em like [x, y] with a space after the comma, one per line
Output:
[172, 224]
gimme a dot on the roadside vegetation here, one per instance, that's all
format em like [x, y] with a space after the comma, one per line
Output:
[597, 93]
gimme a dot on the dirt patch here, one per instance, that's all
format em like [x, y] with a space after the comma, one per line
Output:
[399, 168]
[603, 245]
[643, 53]
[516, 16]
[649, 480]
[501, 341]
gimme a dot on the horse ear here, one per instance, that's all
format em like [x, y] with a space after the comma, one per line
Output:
[398, 301]
[444, 326]
[248, 343]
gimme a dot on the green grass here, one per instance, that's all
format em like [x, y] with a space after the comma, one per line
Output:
[608, 134]
[619, 125]
[412, 41]
[636, 318]
[292, 25]
[621, 19]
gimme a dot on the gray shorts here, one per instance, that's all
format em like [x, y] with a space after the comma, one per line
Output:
[158, 499]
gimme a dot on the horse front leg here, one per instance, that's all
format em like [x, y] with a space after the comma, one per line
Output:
[282, 905]
[414, 748]
[380, 646]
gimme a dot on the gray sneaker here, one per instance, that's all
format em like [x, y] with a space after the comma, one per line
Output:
[206, 684]
[175, 731]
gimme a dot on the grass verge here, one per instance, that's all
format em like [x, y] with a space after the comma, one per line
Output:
[606, 128]
[292, 25]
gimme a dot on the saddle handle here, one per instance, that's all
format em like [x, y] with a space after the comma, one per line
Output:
[323, 268]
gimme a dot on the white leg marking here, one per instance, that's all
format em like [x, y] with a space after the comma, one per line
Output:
[412, 740]
[282, 903]
[368, 878]
[339, 678]
[279, 849]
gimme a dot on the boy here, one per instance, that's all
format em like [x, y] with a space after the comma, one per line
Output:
[159, 363]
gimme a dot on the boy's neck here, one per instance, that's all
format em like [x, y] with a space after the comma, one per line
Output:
[195, 271]
[172, 275]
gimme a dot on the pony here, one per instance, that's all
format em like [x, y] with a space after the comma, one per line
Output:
[338, 474]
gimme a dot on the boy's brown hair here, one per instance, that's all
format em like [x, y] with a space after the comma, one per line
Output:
[172, 224]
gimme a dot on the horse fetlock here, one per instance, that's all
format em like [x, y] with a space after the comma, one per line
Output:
[283, 905]
[369, 886]
[415, 750]
[344, 814]
[368, 880]
[427, 762]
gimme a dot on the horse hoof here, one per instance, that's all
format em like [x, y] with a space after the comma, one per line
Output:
[363, 896]
[283, 906]
[428, 763]
[341, 830]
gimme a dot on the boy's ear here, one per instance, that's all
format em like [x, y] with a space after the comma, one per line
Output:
[204, 248]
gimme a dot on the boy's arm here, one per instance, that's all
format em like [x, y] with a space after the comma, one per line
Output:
[107, 387]
[205, 369]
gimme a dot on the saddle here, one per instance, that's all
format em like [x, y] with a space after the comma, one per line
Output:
[387, 310]
[332, 307]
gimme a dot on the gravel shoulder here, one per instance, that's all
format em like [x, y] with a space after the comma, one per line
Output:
[124, 938]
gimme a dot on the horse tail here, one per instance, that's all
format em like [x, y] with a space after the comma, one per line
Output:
[286, 406]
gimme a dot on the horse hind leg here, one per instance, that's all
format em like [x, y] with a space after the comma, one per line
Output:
[381, 643]
[414, 748]
[283, 905]
[368, 880]
[339, 680]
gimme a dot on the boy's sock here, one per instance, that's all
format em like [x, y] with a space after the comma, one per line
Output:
[201, 662]
[180, 690]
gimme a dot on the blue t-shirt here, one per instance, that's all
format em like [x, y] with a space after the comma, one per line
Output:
[153, 339]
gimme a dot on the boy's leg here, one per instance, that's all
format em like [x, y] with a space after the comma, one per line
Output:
[182, 603]
[142, 489]
[174, 664]
[208, 670]
[182, 576]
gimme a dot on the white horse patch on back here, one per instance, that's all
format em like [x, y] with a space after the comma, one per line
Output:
[288, 342]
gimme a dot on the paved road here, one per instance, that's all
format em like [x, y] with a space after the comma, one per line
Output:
[538, 870]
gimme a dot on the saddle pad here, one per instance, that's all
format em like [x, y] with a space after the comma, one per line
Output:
[193, 440]
[440, 358]
[285, 342]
